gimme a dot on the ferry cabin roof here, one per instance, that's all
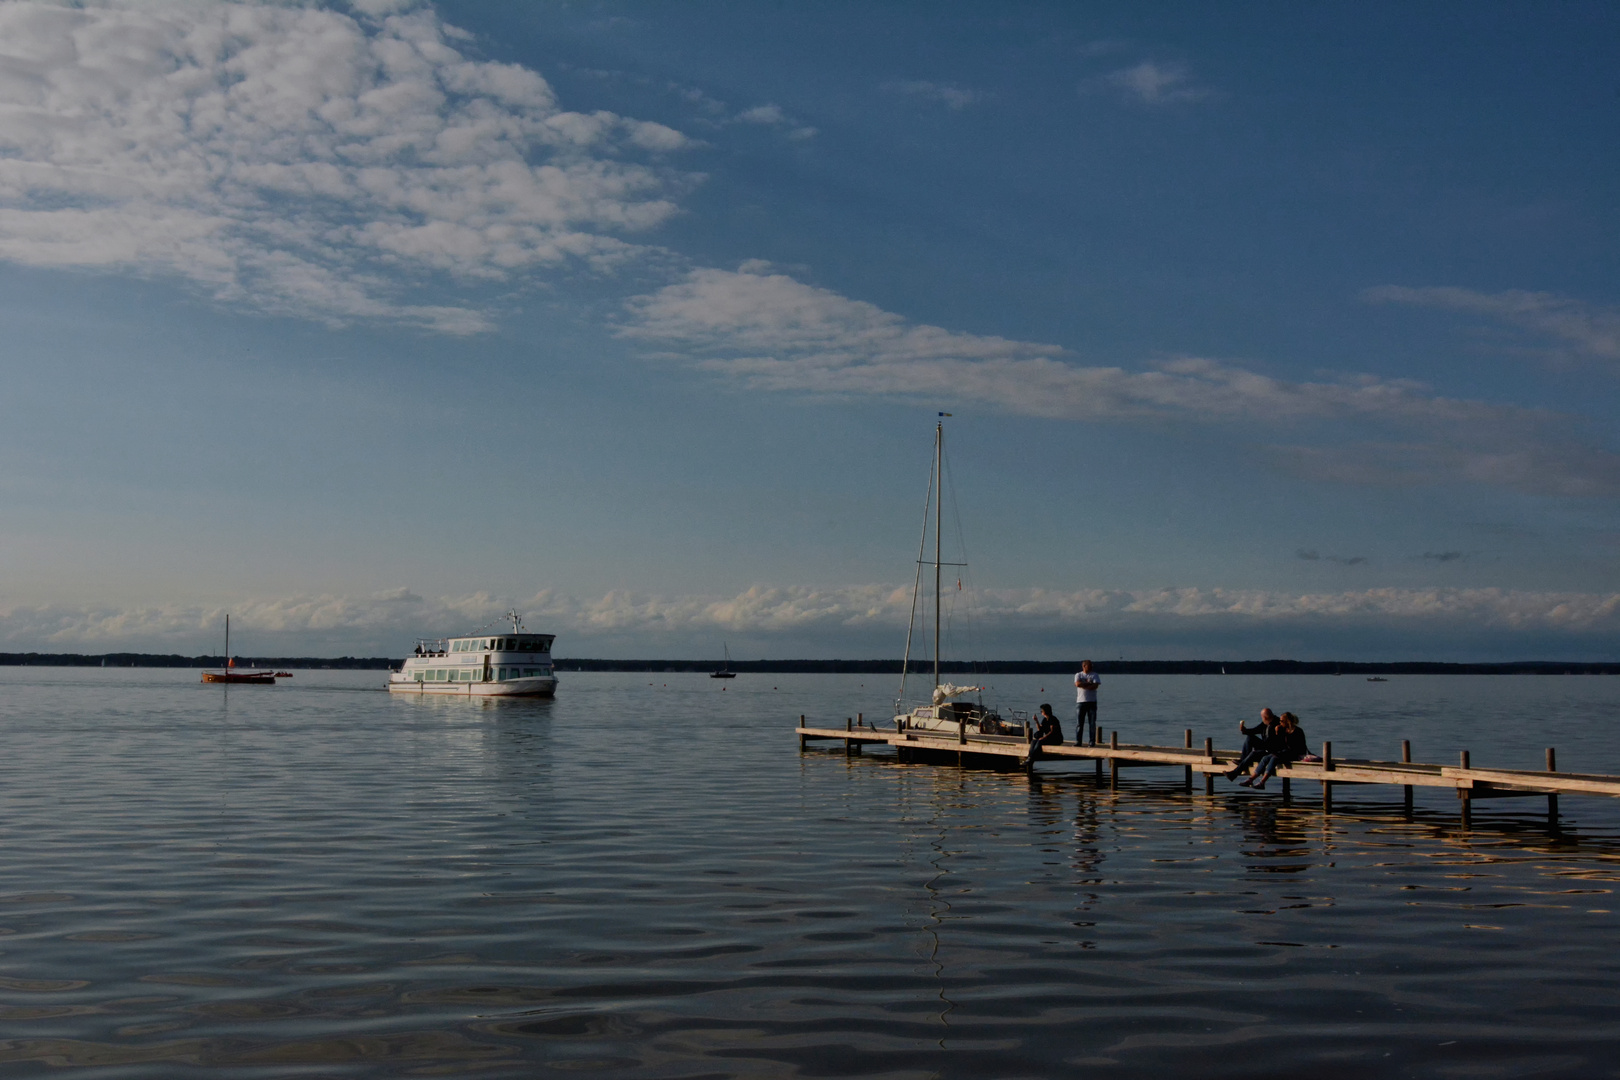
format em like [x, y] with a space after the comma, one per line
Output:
[523, 643]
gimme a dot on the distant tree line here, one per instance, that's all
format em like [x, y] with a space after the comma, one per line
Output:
[381, 663]
[1104, 667]
[856, 667]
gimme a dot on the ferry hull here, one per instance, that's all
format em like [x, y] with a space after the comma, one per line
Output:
[510, 688]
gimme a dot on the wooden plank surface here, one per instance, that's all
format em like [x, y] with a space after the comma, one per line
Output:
[1503, 782]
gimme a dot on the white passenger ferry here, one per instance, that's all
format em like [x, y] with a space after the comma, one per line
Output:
[508, 664]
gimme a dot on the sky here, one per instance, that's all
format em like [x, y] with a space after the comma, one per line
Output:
[1266, 330]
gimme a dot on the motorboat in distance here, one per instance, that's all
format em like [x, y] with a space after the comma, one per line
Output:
[512, 663]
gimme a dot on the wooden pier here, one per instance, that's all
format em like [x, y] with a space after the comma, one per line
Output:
[970, 748]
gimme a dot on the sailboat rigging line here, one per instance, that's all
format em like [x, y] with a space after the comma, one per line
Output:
[922, 546]
[970, 647]
[939, 512]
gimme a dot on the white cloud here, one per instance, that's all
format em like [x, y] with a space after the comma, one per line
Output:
[303, 161]
[772, 332]
[763, 114]
[1593, 331]
[386, 623]
[1158, 84]
[771, 115]
[947, 94]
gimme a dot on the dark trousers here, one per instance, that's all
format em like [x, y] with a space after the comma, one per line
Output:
[1086, 710]
[1254, 748]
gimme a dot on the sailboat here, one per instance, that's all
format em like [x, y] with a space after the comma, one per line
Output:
[230, 674]
[942, 713]
[725, 671]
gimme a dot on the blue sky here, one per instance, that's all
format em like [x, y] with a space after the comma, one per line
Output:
[1267, 330]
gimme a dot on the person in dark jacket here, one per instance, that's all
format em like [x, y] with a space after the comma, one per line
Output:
[1291, 746]
[1048, 732]
[1256, 742]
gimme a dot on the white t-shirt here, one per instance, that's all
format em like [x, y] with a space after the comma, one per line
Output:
[1083, 691]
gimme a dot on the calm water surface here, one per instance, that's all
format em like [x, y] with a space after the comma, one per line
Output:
[645, 878]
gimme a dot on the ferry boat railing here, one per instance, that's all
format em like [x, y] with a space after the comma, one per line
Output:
[432, 646]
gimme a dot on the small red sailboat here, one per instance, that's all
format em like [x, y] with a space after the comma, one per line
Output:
[230, 674]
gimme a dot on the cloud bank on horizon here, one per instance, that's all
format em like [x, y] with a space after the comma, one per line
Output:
[866, 620]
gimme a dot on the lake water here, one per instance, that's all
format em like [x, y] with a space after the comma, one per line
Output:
[645, 878]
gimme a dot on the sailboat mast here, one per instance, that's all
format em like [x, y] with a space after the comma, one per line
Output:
[227, 640]
[939, 501]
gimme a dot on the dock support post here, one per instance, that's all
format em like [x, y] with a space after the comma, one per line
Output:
[1406, 757]
[801, 737]
[1552, 800]
[1467, 798]
[849, 725]
[1288, 791]
[1327, 785]
[1187, 781]
[961, 730]
[1209, 756]
[1113, 763]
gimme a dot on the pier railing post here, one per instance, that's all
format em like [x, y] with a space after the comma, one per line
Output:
[1466, 797]
[1406, 758]
[1113, 762]
[1552, 800]
[1209, 756]
[1187, 780]
[1327, 785]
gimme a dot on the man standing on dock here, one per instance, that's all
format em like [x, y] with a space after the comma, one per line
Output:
[1085, 695]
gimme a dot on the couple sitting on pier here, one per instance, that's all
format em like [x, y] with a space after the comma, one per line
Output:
[1276, 740]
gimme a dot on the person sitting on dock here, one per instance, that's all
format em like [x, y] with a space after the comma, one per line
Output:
[1256, 742]
[1292, 746]
[1048, 731]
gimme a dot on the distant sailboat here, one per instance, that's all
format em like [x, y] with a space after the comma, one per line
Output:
[230, 674]
[725, 671]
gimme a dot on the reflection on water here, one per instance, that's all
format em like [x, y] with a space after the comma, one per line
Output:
[644, 878]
